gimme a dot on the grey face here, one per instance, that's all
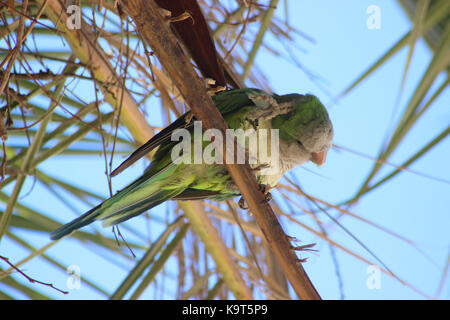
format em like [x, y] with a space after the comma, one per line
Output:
[317, 137]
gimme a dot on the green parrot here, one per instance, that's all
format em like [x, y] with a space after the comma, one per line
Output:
[300, 124]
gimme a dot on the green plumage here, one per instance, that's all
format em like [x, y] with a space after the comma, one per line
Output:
[296, 116]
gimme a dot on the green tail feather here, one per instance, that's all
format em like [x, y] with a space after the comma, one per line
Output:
[78, 223]
[139, 207]
[114, 217]
[140, 196]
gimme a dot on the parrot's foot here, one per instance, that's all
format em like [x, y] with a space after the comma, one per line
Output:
[168, 16]
[261, 167]
[268, 107]
[267, 197]
[242, 204]
[215, 90]
[265, 190]
[212, 87]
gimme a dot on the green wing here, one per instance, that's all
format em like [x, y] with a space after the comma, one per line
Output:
[163, 179]
[227, 102]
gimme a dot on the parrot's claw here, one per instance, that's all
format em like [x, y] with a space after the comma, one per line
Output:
[244, 206]
[289, 238]
[265, 190]
[268, 197]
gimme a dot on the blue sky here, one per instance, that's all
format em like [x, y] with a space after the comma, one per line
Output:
[410, 205]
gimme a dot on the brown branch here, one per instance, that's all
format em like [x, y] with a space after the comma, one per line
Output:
[29, 278]
[15, 51]
[155, 30]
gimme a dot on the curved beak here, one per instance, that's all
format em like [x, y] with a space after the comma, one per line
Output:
[319, 157]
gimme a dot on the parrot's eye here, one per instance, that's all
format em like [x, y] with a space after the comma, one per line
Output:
[301, 144]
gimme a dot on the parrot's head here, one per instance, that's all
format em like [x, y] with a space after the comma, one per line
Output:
[309, 125]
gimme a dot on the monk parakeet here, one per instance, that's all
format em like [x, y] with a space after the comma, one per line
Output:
[296, 127]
